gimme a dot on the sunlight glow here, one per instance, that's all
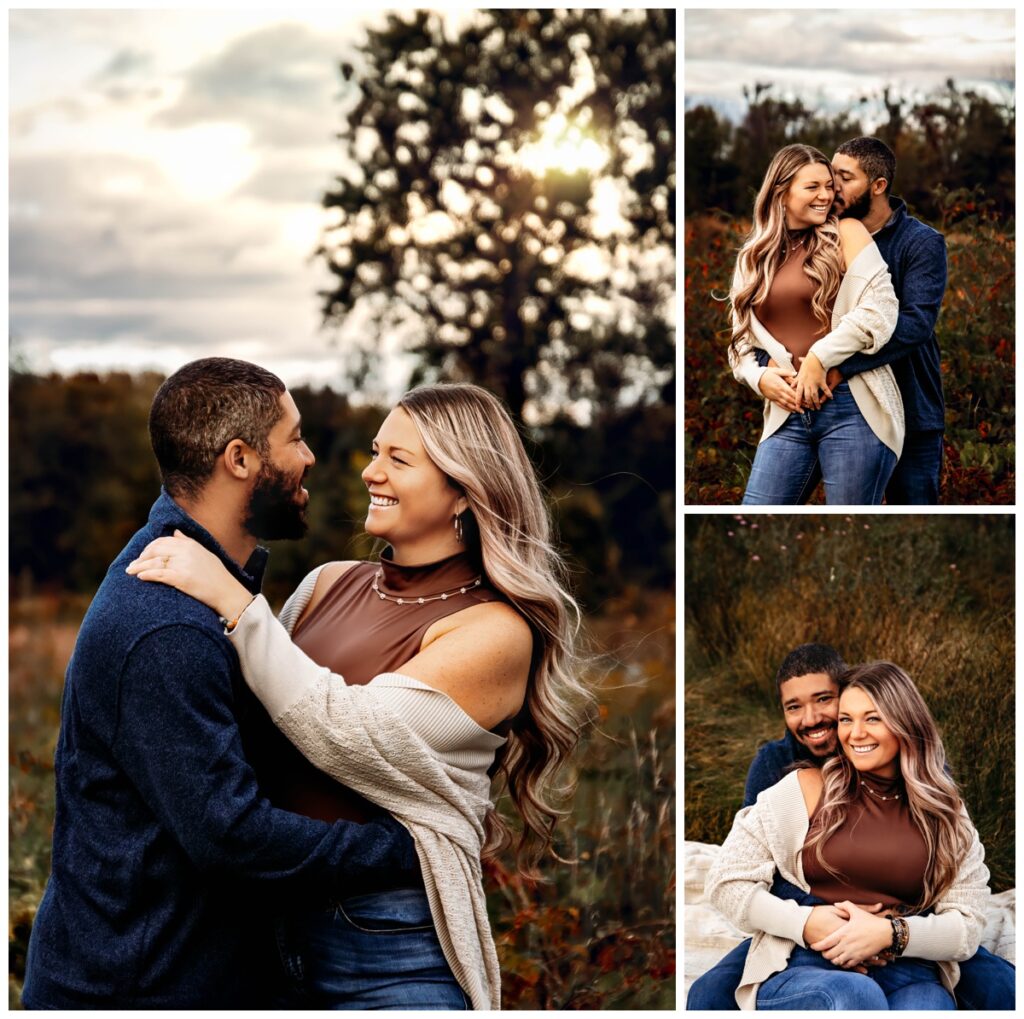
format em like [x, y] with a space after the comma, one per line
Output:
[565, 147]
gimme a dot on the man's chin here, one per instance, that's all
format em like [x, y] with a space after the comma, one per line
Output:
[826, 749]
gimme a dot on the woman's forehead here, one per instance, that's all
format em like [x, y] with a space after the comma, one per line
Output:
[399, 429]
[854, 698]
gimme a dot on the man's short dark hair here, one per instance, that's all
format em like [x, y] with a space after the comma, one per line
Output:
[875, 157]
[808, 658]
[201, 408]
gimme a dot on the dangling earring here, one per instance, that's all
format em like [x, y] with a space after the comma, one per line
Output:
[458, 528]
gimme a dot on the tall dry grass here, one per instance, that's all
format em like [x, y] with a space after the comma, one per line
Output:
[935, 594]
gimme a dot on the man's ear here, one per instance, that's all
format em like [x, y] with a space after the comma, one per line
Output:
[878, 186]
[240, 459]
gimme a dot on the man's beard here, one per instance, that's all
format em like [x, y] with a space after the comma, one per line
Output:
[859, 208]
[273, 512]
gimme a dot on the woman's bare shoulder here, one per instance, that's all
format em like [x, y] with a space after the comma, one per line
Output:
[496, 618]
[854, 237]
[810, 785]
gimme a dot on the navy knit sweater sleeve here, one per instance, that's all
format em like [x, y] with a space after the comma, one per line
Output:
[923, 277]
[178, 741]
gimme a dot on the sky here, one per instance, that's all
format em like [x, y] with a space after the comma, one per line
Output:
[165, 176]
[832, 57]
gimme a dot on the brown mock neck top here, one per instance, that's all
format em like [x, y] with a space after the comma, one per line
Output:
[879, 849]
[358, 634]
[786, 311]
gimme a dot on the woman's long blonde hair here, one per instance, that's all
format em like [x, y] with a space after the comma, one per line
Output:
[469, 435]
[763, 251]
[935, 804]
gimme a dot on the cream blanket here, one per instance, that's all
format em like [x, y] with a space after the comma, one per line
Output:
[708, 935]
[354, 734]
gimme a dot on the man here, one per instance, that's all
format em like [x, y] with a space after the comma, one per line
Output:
[168, 864]
[916, 256]
[808, 686]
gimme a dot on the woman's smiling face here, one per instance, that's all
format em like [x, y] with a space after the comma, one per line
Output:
[412, 503]
[809, 198]
[866, 740]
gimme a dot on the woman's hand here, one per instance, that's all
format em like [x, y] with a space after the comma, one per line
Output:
[811, 382]
[859, 939]
[183, 563]
[774, 387]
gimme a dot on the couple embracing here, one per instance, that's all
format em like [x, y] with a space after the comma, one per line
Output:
[834, 302]
[853, 863]
[255, 812]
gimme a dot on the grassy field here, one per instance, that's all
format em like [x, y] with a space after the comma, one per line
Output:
[597, 934]
[975, 331]
[934, 594]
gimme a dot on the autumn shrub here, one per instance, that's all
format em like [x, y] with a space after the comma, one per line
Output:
[975, 330]
[935, 594]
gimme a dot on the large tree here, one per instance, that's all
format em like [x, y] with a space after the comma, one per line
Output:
[506, 204]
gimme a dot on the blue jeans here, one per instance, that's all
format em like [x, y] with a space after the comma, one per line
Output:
[986, 983]
[375, 952]
[811, 983]
[915, 482]
[854, 462]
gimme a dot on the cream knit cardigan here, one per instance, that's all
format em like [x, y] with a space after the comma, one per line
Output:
[863, 319]
[406, 747]
[768, 837]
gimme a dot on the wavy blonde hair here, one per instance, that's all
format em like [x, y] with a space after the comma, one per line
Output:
[932, 796]
[763, 252]
[470, 436]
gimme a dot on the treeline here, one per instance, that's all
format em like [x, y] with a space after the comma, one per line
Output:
[949, 141]
[83, 477]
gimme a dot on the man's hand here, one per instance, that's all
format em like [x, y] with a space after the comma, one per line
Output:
[811, 382]
[862, 937]
[823, 921]
[774, 387]
[833, 378]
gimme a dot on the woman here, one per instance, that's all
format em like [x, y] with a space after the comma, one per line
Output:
[410, 681]
[810, 290]
[882, 822]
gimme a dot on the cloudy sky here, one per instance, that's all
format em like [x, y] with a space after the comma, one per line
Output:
[165, 174]
[832, 57]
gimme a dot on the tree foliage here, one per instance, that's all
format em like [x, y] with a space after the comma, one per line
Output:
[951, 139]
[83, 478]
[549, 282]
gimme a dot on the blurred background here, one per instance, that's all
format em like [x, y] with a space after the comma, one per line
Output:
[934, 594]
[938, 88]
[361, 203]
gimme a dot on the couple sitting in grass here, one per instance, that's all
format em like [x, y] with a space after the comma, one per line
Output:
[853, 862]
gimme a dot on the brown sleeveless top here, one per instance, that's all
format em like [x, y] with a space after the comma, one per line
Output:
[358, 634]
[786, 311]
[879, 850]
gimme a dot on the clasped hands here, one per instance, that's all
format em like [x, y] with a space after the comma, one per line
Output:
[850, 936]
[801, 390]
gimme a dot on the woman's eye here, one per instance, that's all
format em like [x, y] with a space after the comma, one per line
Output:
[373, 454]
[399, 461]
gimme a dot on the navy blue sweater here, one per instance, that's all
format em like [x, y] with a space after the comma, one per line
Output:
[916, 257]
[168, 864]
[770, 764]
